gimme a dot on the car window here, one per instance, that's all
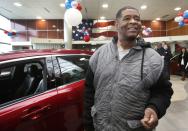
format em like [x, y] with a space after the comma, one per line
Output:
[80, 60]
[7, 73]
[20, 80]
[68, 72]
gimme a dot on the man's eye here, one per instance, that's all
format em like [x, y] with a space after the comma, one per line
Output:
[126, 18]
[137, 19]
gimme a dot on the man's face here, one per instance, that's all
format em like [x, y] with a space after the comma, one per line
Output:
[129, 25]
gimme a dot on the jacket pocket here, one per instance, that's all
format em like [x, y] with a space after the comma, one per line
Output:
[134, 124]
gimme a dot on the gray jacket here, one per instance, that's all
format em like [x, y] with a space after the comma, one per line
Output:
[121, 96]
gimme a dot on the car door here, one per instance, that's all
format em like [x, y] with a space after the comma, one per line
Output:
[70, 84]
[28, 107]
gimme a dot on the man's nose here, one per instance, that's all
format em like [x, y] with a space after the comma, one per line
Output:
[132, 20]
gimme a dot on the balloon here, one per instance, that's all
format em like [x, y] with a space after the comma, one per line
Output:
[178, 19]
[73, 17]
[180, 14]
[68, 5]
[69, 1]
[144, 32]
[74, 4]
[185, 14]
[9, 33]
[185, 21]
[86, 33]
[181, 23]
[148, 30]
[86, 38]
[13, 33]
[79, 7]
[6, 32]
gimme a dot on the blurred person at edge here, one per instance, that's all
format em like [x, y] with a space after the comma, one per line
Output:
[182, 62]
[126, 89]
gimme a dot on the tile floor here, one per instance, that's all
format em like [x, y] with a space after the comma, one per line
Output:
[176, 118]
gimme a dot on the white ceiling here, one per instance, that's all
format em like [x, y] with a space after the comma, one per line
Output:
[50, 9]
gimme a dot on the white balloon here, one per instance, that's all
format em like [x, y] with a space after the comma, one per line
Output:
[178, 19]
[73, 17]
[74, 4]
[144, 32]
[186, 11]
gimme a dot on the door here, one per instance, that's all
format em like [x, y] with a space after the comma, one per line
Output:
[28, 97]
[70, 81]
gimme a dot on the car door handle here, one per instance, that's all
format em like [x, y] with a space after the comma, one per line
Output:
[35, 112]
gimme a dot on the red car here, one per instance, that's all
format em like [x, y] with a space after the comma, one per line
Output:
[42, 90]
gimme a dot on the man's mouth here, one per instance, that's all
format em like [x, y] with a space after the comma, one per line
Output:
[132, 29]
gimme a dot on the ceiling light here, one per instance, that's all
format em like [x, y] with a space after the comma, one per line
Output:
[158, 18]
[54, 26]
[62, 5]
[177, 8]
[102, 17]
[105, 5]
[143, 7]
[39, 17]
[154, 21]
[17, 4]
[43, 20]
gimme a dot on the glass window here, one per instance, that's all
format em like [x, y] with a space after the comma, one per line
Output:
[21, 79]
[69, 71]
[80, 60]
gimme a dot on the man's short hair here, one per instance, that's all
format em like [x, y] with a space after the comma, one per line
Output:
[119, 13]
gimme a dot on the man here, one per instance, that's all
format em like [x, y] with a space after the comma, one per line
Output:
[125, 87]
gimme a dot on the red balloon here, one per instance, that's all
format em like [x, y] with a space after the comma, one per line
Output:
[185, 21]
[13, 33]
[79, 7]
[180, 14]
[86, 38]
[6, 32]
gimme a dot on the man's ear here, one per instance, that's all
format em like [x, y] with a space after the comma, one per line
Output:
[116, 24]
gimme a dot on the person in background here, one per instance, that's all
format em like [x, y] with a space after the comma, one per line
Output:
[182, 62]
[167, 56]
[164, 50]
[125, 89]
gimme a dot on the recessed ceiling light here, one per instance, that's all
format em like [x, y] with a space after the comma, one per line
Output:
[105, 5]
[158, 18]
[177, 8]
[39, 17]
[143, 7]
[17, 4]
[62, 4]
[54, 26]
[102, 17]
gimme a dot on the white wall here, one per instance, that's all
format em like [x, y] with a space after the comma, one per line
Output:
[5, 40]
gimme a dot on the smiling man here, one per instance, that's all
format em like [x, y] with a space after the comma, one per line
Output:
[126, 89]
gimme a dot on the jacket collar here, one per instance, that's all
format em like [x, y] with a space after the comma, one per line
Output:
[138, 46]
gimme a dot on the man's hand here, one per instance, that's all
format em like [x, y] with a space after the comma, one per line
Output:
[150, 119]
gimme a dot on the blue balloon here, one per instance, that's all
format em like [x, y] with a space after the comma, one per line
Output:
[70, 1]
[85, 33]
[185, 14]
[68, 5]
[9, 33]
[181, 23]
